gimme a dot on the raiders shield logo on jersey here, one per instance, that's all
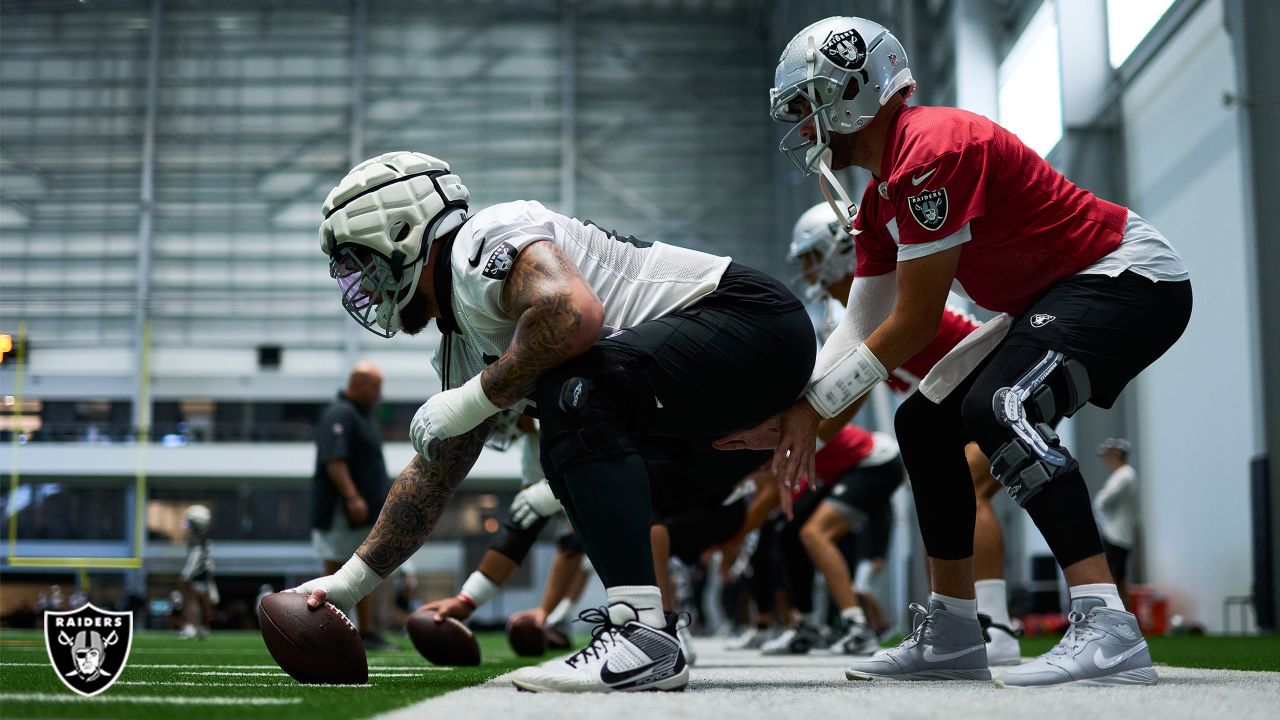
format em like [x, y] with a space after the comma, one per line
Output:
[500, 262]
[88, 647]
[1042, 319]
[929, 208]
[846, 49]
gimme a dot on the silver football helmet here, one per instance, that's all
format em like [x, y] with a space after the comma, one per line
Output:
[818, 231]
[833, 77]
[379, 223]
[835, 74]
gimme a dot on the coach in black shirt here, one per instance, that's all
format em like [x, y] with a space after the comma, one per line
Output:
[350, 482]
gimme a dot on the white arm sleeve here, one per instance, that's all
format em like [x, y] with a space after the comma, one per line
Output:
[846, 368]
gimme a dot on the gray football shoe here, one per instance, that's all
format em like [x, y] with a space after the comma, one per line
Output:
[942, 646]
[1102, 647]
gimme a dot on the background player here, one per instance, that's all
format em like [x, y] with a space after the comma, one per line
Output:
[199, 590]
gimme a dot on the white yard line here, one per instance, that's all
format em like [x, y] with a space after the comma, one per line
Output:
[146, 699]
[280, 674]
[747, 686]
[197, 666]
[224, 683]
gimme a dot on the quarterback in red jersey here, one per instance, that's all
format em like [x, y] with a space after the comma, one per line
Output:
[825, 252]
[1092, 294]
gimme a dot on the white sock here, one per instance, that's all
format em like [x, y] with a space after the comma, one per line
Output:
[956, 606]
[1105, 591]
[562, 609]
[993, 600]
[643, 603]
[854, 615]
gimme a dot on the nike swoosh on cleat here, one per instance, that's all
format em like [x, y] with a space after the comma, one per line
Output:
[608, 677]
[915, 181]
[1105, 662]
[931, 656]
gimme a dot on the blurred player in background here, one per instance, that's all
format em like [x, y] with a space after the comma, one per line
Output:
[825, 252]
[1117, 507]
[200, 592]
[349, 484]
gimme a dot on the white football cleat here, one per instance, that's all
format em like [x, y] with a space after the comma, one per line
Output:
[620, 658]
[1002, 642]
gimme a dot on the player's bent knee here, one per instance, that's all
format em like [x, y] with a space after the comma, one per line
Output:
[585, 407]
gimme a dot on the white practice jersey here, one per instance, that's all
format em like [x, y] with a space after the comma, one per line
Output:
[635, 281]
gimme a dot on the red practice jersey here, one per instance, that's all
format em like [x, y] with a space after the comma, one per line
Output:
[846, 449]
[1027, 226]
[955, 326]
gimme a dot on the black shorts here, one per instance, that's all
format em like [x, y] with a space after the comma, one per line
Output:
[866, 490]
[1117, 560]
[692, 533]
[1115, 326]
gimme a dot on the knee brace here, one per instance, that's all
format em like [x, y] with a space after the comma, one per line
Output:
[586, 408]
[515, 541]
[1029, 408]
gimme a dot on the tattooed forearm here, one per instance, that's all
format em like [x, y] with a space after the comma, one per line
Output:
[418, 498]
[559, 317]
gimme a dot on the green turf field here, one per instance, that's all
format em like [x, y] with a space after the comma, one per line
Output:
[228, 676]
[1213, 653]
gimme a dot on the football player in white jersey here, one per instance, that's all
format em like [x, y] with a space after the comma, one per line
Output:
[613, 339]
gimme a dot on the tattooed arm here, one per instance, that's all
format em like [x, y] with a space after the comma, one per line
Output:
[418, 498]
[558, 318]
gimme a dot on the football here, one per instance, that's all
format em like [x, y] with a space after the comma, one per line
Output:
[318, 646]
[443, 643]
[526, 636]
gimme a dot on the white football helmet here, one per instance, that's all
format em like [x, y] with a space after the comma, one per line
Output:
[819, 231]
[835, 74]
[379, 223]
[197, 517]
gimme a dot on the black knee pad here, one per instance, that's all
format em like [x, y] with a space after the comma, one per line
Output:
[569, 543]
[587, 408]
[515, 541]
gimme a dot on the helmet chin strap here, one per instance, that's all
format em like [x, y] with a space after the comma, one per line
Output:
[845, 210]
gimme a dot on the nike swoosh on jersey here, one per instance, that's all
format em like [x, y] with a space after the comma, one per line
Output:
[609, 677]
[475, 261]
[1104, 662]
[930, 655]
[915, 181]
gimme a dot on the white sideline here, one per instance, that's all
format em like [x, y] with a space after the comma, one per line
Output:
[146, 699]
[747, 686]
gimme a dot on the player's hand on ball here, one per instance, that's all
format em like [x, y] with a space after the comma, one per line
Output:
[454, 607]
[533, 502]
[344, 589]
[326, 589]
[536, 614]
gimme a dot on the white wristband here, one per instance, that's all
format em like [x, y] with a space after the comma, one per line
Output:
[359, 577]
[454, 412]
[479, 589]
[846, 381]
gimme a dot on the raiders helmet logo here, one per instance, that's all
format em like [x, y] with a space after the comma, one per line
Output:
[88, 647]
[929, 208]
[846, 49]
[500, 262]
[1041, 319]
